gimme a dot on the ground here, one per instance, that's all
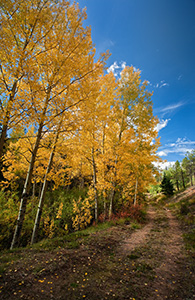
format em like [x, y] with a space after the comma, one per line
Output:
[121, 262]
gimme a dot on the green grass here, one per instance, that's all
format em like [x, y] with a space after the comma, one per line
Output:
[71, 240]
[144, 267]
[133, 256]
[2, 268]
[9, 258]
[73, 245]
[135, 225]
[189, 239]
[184, 210]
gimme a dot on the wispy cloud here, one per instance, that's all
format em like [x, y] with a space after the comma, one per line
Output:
[161, 84]
[104, 46]
[162, 124]
[158, 85]
[169, 109]
[184, 141]
[179, 77]
[181, 147]
[172, 107]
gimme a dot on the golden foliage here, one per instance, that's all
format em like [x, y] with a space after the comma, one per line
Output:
[82, 211]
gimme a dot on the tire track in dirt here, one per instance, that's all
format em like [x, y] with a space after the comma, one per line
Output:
[167, 274]
[167, 283]
[138, 237]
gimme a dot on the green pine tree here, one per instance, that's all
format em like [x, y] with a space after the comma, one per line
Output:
[167, 186]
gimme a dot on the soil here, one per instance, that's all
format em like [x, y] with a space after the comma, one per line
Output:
[116, 263]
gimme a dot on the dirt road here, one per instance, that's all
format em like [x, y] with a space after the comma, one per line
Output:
[117, 263]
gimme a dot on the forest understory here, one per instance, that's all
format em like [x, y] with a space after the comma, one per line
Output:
[125, 261]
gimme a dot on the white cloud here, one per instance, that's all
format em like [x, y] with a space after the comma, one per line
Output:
[162, 153]
[184, 141]
[123, 65]
[149, 83]
[160, 84]
[180, 151]
[163, 165]
[164, 84]
[117, 68]
[157, 85]
[169, 109]
[172, 107]
[180, 147]
[113, 68]
[104, 45]
[135, 69]
[162, 124]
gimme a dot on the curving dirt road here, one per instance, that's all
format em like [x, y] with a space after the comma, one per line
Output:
[117, 263]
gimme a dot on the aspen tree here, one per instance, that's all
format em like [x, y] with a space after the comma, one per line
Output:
[21, 38]
[92, 137]
[67, 120]
[86, 138]
[68, 61]
[44, 187]
[134, 115]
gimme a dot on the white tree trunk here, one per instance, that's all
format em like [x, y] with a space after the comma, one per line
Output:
[43, 191]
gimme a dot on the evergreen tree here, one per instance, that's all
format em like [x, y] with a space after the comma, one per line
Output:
[167, 186]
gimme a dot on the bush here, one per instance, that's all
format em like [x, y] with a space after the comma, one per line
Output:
[8, 215]
[184, 210]
[132, 212]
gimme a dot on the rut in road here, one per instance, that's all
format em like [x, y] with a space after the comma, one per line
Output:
[164, 238]
[138, 237]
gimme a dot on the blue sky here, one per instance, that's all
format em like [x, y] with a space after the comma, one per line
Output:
[158, 38]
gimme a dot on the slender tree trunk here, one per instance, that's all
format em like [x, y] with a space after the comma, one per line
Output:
[183, 181]
[7, 118]
[27, 185]
[82, 182]
[81, 179]
[191, 179]
[112, 194]
[34, 188]
[44, 188]
[113, 190]
[40, 189]
[111, 206]
[3, 138]
[95, 186]
[104, 191]
[105, 210]
[25, 193]
[135, 196]
[177, 184]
